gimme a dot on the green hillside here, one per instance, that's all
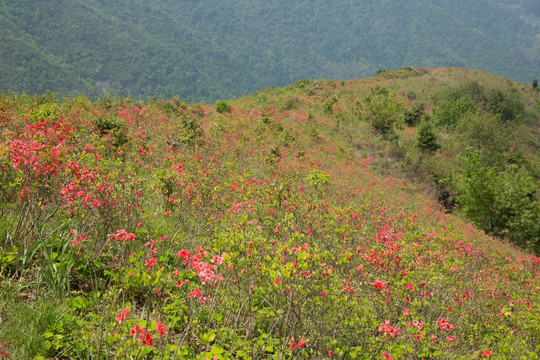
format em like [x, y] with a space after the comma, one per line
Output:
[206, 50]
[322, 220]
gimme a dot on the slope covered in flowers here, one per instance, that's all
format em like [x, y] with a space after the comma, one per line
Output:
[173, 231]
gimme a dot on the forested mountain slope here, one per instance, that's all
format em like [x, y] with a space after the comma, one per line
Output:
[204, 50]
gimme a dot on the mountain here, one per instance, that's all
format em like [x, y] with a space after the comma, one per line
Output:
[391, 217]
[205, 50]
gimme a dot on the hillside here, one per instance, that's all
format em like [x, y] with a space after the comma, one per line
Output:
[206, 50]
[291, 223]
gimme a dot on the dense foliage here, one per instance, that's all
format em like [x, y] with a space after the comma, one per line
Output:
[209, 50]
[276, 228]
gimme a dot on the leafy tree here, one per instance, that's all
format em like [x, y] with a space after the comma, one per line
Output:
[535, 84]
[448, 113]
[486, 133]
[475, 92]
[503, 203]
[509, 107]
[380, 110]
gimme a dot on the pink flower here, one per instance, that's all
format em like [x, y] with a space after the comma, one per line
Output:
[185, 255]
[123, 235]
[195, 293]
[386, 356]
[486, 353]
[136, 330]
[294, 345]
[444, 325]
[122, 315]
[378, 285]
[218, 259]
[389, 330]
[160, 328]
[148, 340]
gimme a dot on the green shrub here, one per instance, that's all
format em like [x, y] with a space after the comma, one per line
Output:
[412, 117]
[223, 106]
[509, 107]
[426, 138]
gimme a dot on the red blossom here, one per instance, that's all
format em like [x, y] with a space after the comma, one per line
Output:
[379, 285]
[389, 330]
[195, 293]
[161, 329]
[293, 345]
[122, 315]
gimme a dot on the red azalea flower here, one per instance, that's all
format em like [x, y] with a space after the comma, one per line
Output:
[161, 330]
[486, 353]
[378, 285]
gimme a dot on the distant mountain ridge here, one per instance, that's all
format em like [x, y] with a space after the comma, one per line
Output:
[205, 50]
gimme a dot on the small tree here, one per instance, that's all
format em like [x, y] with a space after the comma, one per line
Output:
[380, 110]
[535, 84]
[448, 113]
[426, 139]
[412, 117]
[509, 107]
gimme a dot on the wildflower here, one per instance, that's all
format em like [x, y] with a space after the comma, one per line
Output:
[444, 325]
[136, 330]
[389, 330]
[218, 259]
[409, 286]
[122, 315]
[160, 328]
[378, 285]
[486, 353]
[78, 240]
[386, 356]
[123, 235]
[185, 255]
[195, 293]
[147, 340]
[294, 345]
[451, 338]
